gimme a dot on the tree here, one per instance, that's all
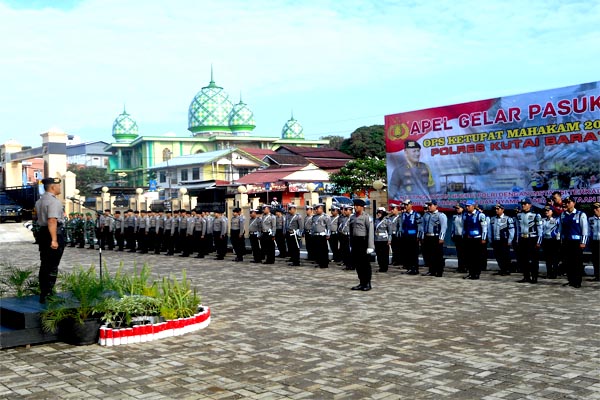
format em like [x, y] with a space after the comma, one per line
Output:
[358, 175]
[335, 142]
[365, 142]
[87, 178]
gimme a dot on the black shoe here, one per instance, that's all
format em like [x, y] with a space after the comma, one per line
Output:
[219, 258]
[467, 277]
[427, 274]
[533, 280]
[184, 255]
[366, 288]
[294, 264]
[412, 272]
[268, 262]
[577, 286]
[438, 275]
[500, 273]
[594, 280]
[256, 262]
[324, 266]
[524, 280]
[566, 284]
[474, 277]
[357, 287]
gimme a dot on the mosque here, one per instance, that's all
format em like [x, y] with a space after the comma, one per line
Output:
[215, 123]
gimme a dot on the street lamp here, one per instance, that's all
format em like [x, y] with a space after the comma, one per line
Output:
[377, 185]
[168, 154]
[138, 192]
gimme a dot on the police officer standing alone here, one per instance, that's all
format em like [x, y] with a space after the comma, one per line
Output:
[362, 244]
[51, 238]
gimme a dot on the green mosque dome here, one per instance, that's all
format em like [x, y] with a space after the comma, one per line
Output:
[241, 118]
[292, 130]
[210, 110]
[125, 129]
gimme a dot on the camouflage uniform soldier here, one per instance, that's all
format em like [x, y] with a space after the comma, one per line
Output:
[90, 230]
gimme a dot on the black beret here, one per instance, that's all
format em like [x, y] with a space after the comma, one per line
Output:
[359, 202]
[412, 144]
[49, 181]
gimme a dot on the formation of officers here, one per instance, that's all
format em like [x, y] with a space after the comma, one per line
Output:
[351, 236]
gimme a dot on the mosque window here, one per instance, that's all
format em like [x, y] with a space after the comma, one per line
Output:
[184, 174]
[195, 174]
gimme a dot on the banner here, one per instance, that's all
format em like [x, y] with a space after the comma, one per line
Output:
[501, 149]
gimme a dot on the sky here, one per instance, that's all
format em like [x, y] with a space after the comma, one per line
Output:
[337, 65]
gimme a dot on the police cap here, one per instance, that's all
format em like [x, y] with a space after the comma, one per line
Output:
[237, 209]
[526, 200]
[595, 205]
[359, 202]
[412, 144]
[50, 181]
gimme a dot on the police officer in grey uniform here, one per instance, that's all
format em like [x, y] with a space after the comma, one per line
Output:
[293, 228]
[142, 232]
[456, 233]
[119, 230]
[383, 238]
[182, 234]
[237, 234]
[362, 244]
[267, 239]
[51, 240]
[279, 232]
[255, 230]
[344, 236]
[394, 219]
[220, 234]
[334, 239]
[321, 231]
[307, 229]
[200, 235]
[551, 241]
[168, 234]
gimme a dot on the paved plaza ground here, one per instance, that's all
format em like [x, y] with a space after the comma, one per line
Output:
[282, 332]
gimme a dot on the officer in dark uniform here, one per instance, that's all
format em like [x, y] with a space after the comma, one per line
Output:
[501, 233]
[411, 224]
[529, 241]
[293, 228]
[362, 244]
[574, 233]
[474, 238]
[551, 241]
[594, 226]
[51, 240]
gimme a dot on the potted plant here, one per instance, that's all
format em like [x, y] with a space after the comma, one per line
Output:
[74, 313]
[128, 310]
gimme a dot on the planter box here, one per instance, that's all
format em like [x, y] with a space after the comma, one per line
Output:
[156, 331]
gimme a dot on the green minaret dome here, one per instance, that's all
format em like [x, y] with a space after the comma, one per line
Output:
[292, 130]
[210, 110]
[241, 119]
[125, 129]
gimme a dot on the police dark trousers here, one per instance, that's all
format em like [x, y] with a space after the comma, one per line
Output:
[382, 250]
[293, 248]
[396, 260]
[410, 249]
[106, 238]
[433, 254]
[120, 240]
[334, 245]
[551, 248]
[237, 244]
[256, 250]
[321, 251]
[150, 238]
[158, 241]
[198, 244]
[142, 244]
[360, 258]
[267, 244]
[460, 253]
[573, 261]
[49, 260]
[308, 241]
[502, 255]
[595, 248]
[528, 257]
[345, 251]
[130, 237]
[168, 242]
[281, 245]
[220, 244]
[473, 255]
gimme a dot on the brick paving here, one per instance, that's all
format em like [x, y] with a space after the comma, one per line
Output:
[282, 332]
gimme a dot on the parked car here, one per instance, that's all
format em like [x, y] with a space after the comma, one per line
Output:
[336, 200]
[9, 209]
